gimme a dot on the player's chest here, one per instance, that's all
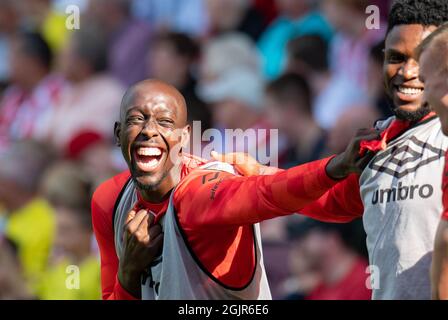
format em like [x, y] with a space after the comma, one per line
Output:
[408, 173]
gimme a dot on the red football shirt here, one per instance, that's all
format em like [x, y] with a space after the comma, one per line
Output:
[216, 210]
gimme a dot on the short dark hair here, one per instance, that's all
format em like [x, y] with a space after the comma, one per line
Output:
[293, 88]
[425, 44]
[311, 49]
[423, 12]
[34, 45]
[182, 43]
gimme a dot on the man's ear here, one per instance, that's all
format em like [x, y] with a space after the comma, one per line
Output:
[117, 131]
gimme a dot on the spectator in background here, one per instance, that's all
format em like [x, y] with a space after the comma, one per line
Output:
[179, 16]
[334, 270]
[171, 60]
[308, 56]
[68, 188]
[347, 124]
[235, 16]
[296, 18]
[12, 283]
[349, 57]
[95, 154]
[232, 84]
[30, 219]
[128, 38]
[267, 8]
[41, 16]
[34, 91]
[90, 101]
[350, 48]
[225, 52]
[9, 24]
[289, 108]
[236, 103]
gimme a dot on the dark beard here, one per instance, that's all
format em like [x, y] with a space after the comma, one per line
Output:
[149, 187]
[412, 116]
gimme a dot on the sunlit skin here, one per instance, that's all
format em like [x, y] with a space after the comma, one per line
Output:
[153, 115]
[401, 70]
[434, 74]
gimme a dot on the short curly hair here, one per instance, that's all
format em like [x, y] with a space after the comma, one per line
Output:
[423, 12]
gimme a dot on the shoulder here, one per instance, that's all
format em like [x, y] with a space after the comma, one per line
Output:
[204, 175]
[209, 168]
[106, 194]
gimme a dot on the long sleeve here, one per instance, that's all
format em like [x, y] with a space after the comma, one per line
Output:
[214, 198]
[342, 203]
[103, 202]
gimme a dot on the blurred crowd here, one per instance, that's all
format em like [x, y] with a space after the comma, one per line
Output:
[308, 68]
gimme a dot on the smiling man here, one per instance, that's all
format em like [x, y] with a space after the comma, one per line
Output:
[166, 231]
[433, 57]
[398, 194]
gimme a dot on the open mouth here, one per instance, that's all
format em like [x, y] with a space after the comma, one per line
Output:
[407, 93]
[147, 159]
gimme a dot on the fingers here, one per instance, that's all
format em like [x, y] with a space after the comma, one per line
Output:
[217, 156]
[366, 131]
[131, 215]
[230, 158]
[133, 224]
[362, 163]
[234, 158]
[366, 137]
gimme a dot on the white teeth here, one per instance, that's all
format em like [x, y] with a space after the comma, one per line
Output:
[148, 165]
[409, 91]
[149, 151]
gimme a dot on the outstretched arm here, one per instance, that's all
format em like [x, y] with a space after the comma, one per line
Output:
[342, 202]
[215, 198]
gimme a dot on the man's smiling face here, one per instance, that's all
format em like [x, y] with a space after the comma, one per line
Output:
[151, 132]
[401, 70]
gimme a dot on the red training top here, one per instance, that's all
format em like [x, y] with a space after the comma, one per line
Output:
[216, 210]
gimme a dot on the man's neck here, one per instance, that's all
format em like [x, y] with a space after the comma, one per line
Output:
[163, 190]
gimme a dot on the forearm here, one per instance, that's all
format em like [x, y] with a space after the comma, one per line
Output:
[248, 200]
[129, 284]
[439, 272]
[342, 203]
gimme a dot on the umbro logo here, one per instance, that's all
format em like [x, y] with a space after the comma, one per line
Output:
[400, 161]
